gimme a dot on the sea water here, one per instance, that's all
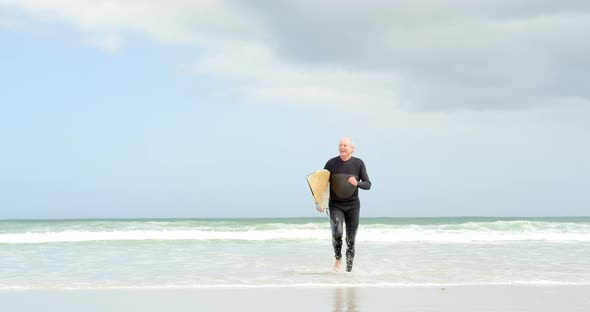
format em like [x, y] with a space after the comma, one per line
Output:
[178, 253]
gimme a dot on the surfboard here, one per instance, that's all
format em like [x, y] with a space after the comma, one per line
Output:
[319, 184]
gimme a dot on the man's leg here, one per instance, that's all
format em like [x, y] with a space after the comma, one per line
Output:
[337, 224]
[352, 224]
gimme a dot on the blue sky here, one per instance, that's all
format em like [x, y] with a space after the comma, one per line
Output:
[168, 109]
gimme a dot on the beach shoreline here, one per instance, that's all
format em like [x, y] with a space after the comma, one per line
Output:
[427, 298]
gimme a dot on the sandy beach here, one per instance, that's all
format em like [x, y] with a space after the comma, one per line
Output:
[451, 298]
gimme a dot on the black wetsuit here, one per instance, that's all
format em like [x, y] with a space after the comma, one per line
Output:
[344, 202]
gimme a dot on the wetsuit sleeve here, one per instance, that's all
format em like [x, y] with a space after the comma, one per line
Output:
[365, 182]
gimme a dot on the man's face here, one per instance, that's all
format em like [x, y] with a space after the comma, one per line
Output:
[345, 148]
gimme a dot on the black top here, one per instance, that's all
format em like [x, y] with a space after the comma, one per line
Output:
[342, 193]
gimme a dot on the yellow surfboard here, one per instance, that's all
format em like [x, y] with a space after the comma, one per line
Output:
[319, 183]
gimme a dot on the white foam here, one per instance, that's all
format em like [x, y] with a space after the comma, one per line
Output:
[81, 236]
[534, 283]
[399, 235]
[500, 231]
[466, 236]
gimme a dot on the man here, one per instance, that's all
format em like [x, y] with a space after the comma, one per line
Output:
[347, 175]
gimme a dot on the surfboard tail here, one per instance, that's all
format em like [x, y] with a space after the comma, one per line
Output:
[319, 184]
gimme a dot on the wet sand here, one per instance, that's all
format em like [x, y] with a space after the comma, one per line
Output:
[451, 298]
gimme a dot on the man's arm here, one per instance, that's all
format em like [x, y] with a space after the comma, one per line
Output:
[364, 181]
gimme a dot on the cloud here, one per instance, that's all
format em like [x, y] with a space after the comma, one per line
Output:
[263, 77]
[452, 55]
[9, 23]
[427, 56]
[109, 42]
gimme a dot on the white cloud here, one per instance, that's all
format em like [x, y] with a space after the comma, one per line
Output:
[9, 23]
[262, 77]
[385, 56]
[109, 42]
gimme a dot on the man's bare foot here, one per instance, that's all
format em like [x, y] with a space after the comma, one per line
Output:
[337, 265]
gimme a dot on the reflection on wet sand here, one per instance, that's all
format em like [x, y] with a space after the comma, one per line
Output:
[344, 299]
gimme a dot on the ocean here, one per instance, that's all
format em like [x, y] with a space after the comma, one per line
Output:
[206, 253]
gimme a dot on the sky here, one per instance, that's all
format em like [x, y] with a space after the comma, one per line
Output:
[206, 109]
